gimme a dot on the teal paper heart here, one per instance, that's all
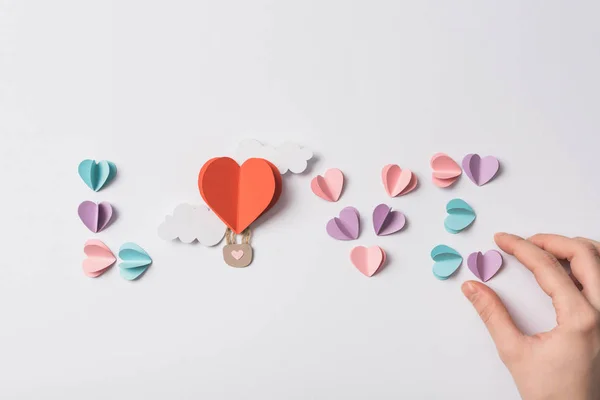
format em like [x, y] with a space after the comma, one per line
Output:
[135, 261]
[447, 260]
[97, 174]
[460, 216]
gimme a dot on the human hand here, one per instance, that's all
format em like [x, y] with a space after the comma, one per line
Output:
[565, 362]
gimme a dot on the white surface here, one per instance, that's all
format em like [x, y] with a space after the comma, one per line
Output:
[160, 87]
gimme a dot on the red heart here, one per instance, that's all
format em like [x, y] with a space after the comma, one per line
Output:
[239, 195]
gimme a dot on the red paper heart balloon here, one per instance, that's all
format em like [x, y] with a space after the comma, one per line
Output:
[239, 195]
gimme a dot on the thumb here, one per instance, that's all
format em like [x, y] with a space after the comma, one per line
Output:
[494, 315]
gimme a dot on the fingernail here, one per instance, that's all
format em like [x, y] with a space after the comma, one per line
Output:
[468, 289]
[498, 234]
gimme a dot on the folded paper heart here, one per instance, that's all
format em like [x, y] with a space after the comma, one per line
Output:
[398, 181]
[329, 186]
[278, 179]
[485, 266]
[480, 170]
[346, 226]
[97, 174]
[386, 221]
[94, 216]
[460, 216]
[368, 260]
[135, 261]
[239, 195]
[447, 260]
[99, 258]
[445, 170]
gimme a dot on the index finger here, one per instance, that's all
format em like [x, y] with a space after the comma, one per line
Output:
[550, 275]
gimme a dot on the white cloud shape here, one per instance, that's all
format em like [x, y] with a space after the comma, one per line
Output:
[189, 223]
[287, 157]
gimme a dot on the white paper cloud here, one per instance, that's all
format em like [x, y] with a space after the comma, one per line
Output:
[287, 157]
[190, 223]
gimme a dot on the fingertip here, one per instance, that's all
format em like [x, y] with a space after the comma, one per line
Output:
[506, 241]
[499, 237]
[473, 289]
[468, 288]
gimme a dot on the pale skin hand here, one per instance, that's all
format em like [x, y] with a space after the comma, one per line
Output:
[565, 362]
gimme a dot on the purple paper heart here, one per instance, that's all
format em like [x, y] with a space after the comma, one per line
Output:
[94, 216]
[346, 227]
[485, 266]
[386, 221]
[480, 170]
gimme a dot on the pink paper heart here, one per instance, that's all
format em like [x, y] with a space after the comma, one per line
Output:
[398, 181]
[386, 221]
[485, 266]
[328, 187]
[94, 216]
[445, 170]
[367, 260]
[480, 170]
[99, 258]
[237, 254]
[346, 227]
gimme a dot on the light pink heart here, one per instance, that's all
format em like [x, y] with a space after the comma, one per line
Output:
[445, 170]
[237, 254]
[328, 187]
[398, 181]
[367, 260]
[99, 258]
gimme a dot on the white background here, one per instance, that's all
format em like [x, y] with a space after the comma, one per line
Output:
[160, 87]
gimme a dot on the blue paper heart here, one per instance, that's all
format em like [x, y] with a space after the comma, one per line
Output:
[97, 174]
[447, 260]
[135, 261]
[460, 216]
